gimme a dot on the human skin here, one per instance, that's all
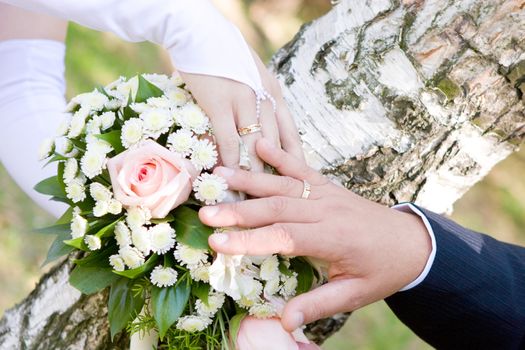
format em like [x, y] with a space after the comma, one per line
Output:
[372, 251]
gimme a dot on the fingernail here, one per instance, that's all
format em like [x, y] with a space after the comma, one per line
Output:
[210, 211]
[297, 320]
[219, 238]
[224, 172]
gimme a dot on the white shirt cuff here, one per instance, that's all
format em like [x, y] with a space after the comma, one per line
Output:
[410, 208]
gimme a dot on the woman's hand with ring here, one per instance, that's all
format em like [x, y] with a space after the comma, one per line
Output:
[372, 251]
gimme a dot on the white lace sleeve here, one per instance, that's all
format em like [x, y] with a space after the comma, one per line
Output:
[31, 103]
[199, 39]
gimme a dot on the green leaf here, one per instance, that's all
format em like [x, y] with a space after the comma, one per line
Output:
[90, 280]
[58, 248]
[128, 112]
[51, 187]
[123, 306]
[305, 274]
[57, 157]
[77, 243]
[146, 90]
[201, 290]
[66, 217]
[141, 270]
[284, 270]
[168, 218]
[168, 304]
[55, 229]
[98, 258]
[113, 138]
[234, 326]
[108, 230]
[190, 230]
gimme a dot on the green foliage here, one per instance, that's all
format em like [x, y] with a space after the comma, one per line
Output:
[234, 326]
[141, 270]
[90, 280]
[146, 90]
[123, 305]
[51, 187]
[305, 273]
[201, 290]
[113, 138]
[169, 303]
[58, 248]
[190, 230]
[98, 258]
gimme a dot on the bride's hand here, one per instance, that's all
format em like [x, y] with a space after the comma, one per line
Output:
[232, 105]
[373, 251]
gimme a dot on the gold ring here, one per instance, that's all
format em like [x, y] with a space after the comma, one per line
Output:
[250, 129]
[307, 189]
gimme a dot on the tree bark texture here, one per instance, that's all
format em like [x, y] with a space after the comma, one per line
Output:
[408, 100]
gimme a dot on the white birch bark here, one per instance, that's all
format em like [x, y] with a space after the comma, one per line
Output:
[407, 100]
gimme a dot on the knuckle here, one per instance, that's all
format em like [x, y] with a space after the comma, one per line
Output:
[244, 240]
[284, 237]
[277, 205]
[286, 184]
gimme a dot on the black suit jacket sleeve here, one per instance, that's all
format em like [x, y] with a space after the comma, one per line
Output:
[473, 296]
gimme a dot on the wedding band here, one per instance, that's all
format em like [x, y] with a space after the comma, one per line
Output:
[250, 129]
[307, 189]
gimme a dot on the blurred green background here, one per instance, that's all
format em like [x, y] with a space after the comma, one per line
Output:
[495, 205]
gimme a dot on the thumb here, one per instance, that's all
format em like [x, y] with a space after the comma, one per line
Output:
[332, 298]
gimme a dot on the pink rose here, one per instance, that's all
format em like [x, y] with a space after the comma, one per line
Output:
[263, 334]
[151, 176]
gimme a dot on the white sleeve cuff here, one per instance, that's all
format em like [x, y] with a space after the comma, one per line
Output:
[410, 208]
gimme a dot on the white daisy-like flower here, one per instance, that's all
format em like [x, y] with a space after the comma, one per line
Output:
[159, 80]
[137, 216]
[163, 276]
[76, 189]
[132, 257]
[192, 117]
[46, 149]
[289, 286]
[162, 238]
[204, 154]
[70, 170]
[94, 144]
[263, 310]
[132, 132]
[76, 211]
[160, 102]
[64, 146]
[78, 122]
[113, 104]
[122, 234]
[190, 257]
[117, 263]
[107, 119]
[79, 226]
[181, 141]
[99, 192]
[210, 188]
[270, 268]
[93, 126]
[92, 163]
[63, 127]
[113, 85]
[201, 273]
[100, 209]
[177, 96]
[140, 107]
[176, 79]
[141, 240]
[156, 122]
[193, 323]
[271, 287]
[115, 207]
[126, 88]
[94, 100]
[215, 302]
[250, 290]
[93, 242]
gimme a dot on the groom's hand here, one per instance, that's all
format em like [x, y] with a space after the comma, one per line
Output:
[232, 105]
[372, 251]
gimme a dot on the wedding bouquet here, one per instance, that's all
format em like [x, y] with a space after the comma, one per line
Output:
[134, 161]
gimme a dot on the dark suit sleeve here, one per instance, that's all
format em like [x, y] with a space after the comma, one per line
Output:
[473, 296]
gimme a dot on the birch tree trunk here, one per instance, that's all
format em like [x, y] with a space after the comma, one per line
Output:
[407, 100]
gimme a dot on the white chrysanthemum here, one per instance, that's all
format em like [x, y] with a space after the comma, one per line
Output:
[70, 170]
[162, 238]
[137, 216]
[113, 104]
[193, 323]
[79, 226]
[113, 85]
[94, 144]
[78, 122]
[181, 141]
[100, 209]
[263, 310]
[210, 188]
[122, 234]
[126, 88]
[117, 263]
[139, 107]
[107, 119]
[141, 240]
[76, 190]
[64, 146]
[204, 154]
[132, 132]
[160, 102]
[132, 257]
[271, 287]
[63, 127]
[176, 79]
[250, 290]
[163, 276]
[76, 211]
[92, 163]
[94, 100]
[93, 242]
[115, 207]
[99, 192]
[46, 149]
[270, 268]
[192, 117]
[190, 257]
[177, 96]
[289, 286]
[159, 80]
[93, 126]
[201, 273]
[156, 122]
[215, 302]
